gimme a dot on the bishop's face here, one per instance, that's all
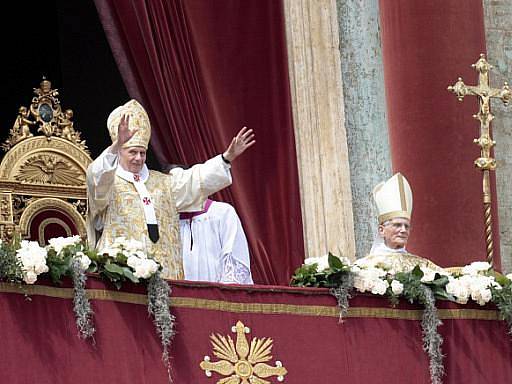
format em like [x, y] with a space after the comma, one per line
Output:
[395, 232]
[132, 159]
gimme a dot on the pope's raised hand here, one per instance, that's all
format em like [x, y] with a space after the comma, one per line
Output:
[124, 133]
[240, 143]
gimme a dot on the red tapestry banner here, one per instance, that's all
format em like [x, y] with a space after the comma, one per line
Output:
[305, 341]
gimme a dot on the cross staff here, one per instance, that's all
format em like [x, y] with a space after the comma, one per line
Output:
[485, 162]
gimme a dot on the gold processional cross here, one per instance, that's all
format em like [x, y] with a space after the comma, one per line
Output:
[485, 162]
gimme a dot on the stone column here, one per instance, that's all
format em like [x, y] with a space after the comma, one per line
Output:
[319, 121]
[498, 34]
[365, 111]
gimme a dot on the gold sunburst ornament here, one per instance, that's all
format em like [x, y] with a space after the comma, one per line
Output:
[241, 362]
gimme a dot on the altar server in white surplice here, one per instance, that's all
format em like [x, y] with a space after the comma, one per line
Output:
[214, 245]
[128, 200]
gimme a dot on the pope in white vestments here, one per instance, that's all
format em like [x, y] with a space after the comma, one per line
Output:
[128, 200]
[214, 245]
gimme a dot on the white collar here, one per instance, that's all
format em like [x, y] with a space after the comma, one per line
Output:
[383, 249]
[130, 176]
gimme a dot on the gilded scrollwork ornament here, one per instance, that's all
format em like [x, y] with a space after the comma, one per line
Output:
[7, 232]
[45, 114]
[42, 173]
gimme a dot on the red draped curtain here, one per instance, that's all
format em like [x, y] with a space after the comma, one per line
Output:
[426, 45]
[202, 70]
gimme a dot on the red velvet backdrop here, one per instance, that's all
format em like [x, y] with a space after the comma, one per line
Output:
[53, 229]
[203, 70]
[426, 46]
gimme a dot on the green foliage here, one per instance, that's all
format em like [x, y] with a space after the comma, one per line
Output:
[58, 265]
[413, 286]
[503, 300]
[10, 266]
[307, 276]
[113, 269]
[333, 276]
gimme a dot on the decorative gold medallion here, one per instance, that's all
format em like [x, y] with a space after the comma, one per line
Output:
[243, 363]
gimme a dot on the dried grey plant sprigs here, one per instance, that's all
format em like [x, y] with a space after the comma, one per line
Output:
[342, 293]
[81, 304]
[432, 340]
[159, 299]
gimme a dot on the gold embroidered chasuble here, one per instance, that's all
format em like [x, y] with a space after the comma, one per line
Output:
[125, 217]
[398, 262]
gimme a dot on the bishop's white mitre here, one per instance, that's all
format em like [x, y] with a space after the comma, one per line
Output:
[393, 198]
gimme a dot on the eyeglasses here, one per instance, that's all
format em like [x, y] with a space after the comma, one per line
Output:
[398, 226]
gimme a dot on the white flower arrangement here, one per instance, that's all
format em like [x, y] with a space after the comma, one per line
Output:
[59, 243]
[322, 262]
[473, 283]
[33, 260]
[136, 258]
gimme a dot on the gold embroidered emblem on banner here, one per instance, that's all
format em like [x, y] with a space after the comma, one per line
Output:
[240, 362]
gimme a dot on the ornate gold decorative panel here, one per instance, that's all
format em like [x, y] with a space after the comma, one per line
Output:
[42, 174]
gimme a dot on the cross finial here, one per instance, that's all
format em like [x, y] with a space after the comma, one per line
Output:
[485, 162]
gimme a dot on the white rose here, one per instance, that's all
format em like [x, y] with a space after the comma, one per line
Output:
[475, 267]
[85, 262]
[59, 243]
[142, 271]
[29, 277]
[379, 287]
[140, 255]
[397, 287]
[133, 261]
[363, 281]
[459, 289]
[482, 296]
[322, 262]
[428, 275]
[41, 268]
[152, 266]
[509, 276]
[359, 283]
[27, 259]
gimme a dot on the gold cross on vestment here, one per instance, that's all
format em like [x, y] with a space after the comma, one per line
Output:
[485, 162]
